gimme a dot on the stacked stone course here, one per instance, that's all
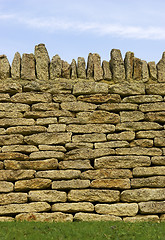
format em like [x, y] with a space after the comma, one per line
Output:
[81, 144]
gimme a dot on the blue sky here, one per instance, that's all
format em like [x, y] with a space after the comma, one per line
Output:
[74, 28]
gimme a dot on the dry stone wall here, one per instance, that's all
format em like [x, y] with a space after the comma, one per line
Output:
[81, 144]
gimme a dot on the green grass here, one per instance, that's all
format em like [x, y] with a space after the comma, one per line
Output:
[82, 231]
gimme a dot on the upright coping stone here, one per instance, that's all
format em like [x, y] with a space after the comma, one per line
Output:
[4, 67]
[117, 66]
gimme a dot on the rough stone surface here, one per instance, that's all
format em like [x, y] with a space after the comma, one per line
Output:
[70, 184]
[10, 175]
[160, 69]
[25, 130]
[4, 67]
[158, 160]
[145, 72]
[55, 67]
[73, 207]
[131, 116]
[37, 183]
[81, 71]
[66, 68]
[142, 218]
[159, 106]
[93, 137]
[155, 117]
[111, 183]
[137, 126]
[47, 196]
[100, 98]
[9, 198]
[76, 164]
[123, 136]
[95, 217]
[107, 75]
[11, 139]
[143, 99]
[58, 174]
[148, 171]
[86, 87]
[157, 88]
[152, 207]
[98, 71]
[16, 66]
[46, 155]
[112, 144]
[6, 187]
[116, 107]
[20, 148]
[28, 67]
[73, 69]
[117, 66]
[30, 98]
[78, 106]
[142, 143]
[156, 181]
[128, 61]
[139, 151]
[152, 70]
[127, 89]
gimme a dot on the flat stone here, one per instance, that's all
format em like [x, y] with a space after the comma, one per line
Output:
[158, 160]
[152, 107]
[6, 219]
[137, 126]
[123, 136]
[117, 209]
[148, 171]
[47, 196]
[93, 195]
[58, 98]
[10, 87]
[112, 144]
[2, 131]
[142, 218]
[88, 87]
[51, 148]
[98, 71]
[93, 137]
[142, 143]
[15, 122]
[46, 121]
[100, 98]
[16, 66]
[58, 174]
[91, 128]
[46, 155]
[116, 107]
[139, 151]
[160, 69]
[25, 130]
[9, 198]
[150, 134]
[152, 207]
[15, 114]
[47, 114]
[6, 187]
[28, 67]
[36, 183]
[14, 175]
[117, 66]
[45, 106]
[76, 164]
[70, 184]
[127, 89]
[128, 62]
[10, 107]
[65, 70]
[78, 145]
[4, 97]
[111, 183]
[31, 97]
[1, 165]
[95, 217]
[107, 75]
[122, 162]
[131, 116]
[11, 139]
[81, 69]
[13, 156]
[143, 195]
[73, 69]
[78, 106]
[4, 67]
[143, 99]
[155, 117]
[152, 70]
[157, 88]
[162, 218]
[55, 67]
[73, 207]
[156, 181]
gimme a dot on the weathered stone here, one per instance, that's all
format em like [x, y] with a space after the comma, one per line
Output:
[145, 72]
[76, 164]
[25, 207]
[156, 181]
[143, 99]
[46, 121]
[31, 97]
[6, 219]
[47, 196]
[159, 141]
[155, 117]
[137, 70]
[28, 66]
[128, 62]
[100, 98]
[46, 155]
[150, 134]
[116, 107]
[45, 217]
[139, 151]
[4, 67]
[131, 116]
[64, 98]
[35, 165]
[57, 128]
[152, 70]
[158, 160]
[25, 130]
[78, 106]
[143, 195]
[152, 107]
[152, 207]
[117, 209]
[78, 145]
[162, 218]
[42, 62]
[127, 89]
[117, 66]
[160, 69]
[6, 187]
[87, 87]
[73, 207]
[66, 70]
[10, 87]
[58, 174]
[93, 195]
[13, 198]
[45, 114]
[13, 156]
[36, 183]
[51, 148]
[10, 175]
[91, 128]
[137, 126]
[122, 162]
[1, 165]
[95, 217]
[111, 183]
[70, 120]
[15, 114]
[16, 66]
[45, 106]
[125, 136]
[90, 66]
[142, 218]
[98, 71]
[112, 144]
[32, 85]
[11, 139]
[2, 131]
[10, 107]
[107, 75]
[70, 184]
[15, 122]
[55, 67]
[48, 138]
[142, 143]
[4, 97]
[73, 69]
[157, 88]
[81, 70]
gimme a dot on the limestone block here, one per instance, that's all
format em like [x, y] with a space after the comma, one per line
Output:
[90, 66]
[47, 196]
[116, 107]
[4, 67]
[150, 134]
[45, 106]
[11, 114]
[57, 128]
[70, 184]
[45, 217]
[152, 107]
[160, 69]
[157, 88]
[112, 144]
[111, 183]
[156, 181]
[31, 97]
[78, 106]
[142, 218]
[142, 143]
[9, 198]
[6, 219]
[100, 98]
[65, 70]
[2, 131]
[158, 160]
[73, 69]
[106, 174]
[4, 97]
[131, 116]
[121, 162]
[78, 145]
[10, 175]
[46, 155]
[159, 142]
[42, 62]
[137, 70]
[36, 183]
[47, 114]
[15, 122]
[11, 139]
[73, 207]
[137, 126]
[139, 151]
[58, 98]
[20, 148]
[145, 72]
[46, 121]
[1, 165]
[123, 136]
[152, 207]
[87, 87]
[93, 137]
[127, 89]
[155, 117]
[98, 71]
[55, 67]
[128, 62]
[10, 87]
[95, 217]
[25, 130]
[70, 120]
[81, 70]
[152, 70]
[10, 107]
[117, 66]
[162, 218]
[91, 128]
[143, 99]
[107, 75]
[93, 195]
[13, 156]
[117, 209]
[51, 148]
[28, 67]
[76, 164]
[6, 187]
[58, 174]
[143, 195]
[16, 66]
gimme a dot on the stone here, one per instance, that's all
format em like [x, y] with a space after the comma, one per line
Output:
[24, 207]
[64, 98]
[6, 219]
[152, 107]
[34, 165]
[46, 121]
[159, 142]
[76, 164]
[137, 70]
[2, 131]
[156, 181]
[55, 67]
[31, 97]
[98, 71]
[152, 70]
[15, 122]
[123, 136]
[46, 155]
[143, 99]
[127, 89]
[70, 184]
[137, 126]
[117, 209]
[128, 62]
[57, 128]
[117, 66]
[14, 175]
[25, 130]
[150, 134]
[160, 69]
[6, 187]
[4, 67]
[116, 107]
[51, 148]
[111, 183]
[78, 106]
[42, 62]
[162, 218]
[139, 151]
[10, 115]
[111, 144]
[90, 66]
[78, 145]
[45, 106]
[48, 138]
[155, 117]
[142, 218]
[143, 195]
[45, 217]
[36, 183]
[16, 66]
[157, 88]
[10, 107]
[142, 143]
[28, 67]
[4, 97]
[122, 162]
[152, 207]
[13, 156]
[87, 87]
[65, 70]
[158, 160]
[145, 72]
[93, 195]
[73, 69]
[95, 217]
[9, 198]
[107, 75]
[131, 116]
[47, 196]
[47, 114]
[11, 139]
[58, 174]
[81, 70]
[1, 165]
[100, 98]
[73, 207]
[10, 87]
[91, 128]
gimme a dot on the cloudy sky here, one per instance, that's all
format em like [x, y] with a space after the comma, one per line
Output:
[73, 28]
